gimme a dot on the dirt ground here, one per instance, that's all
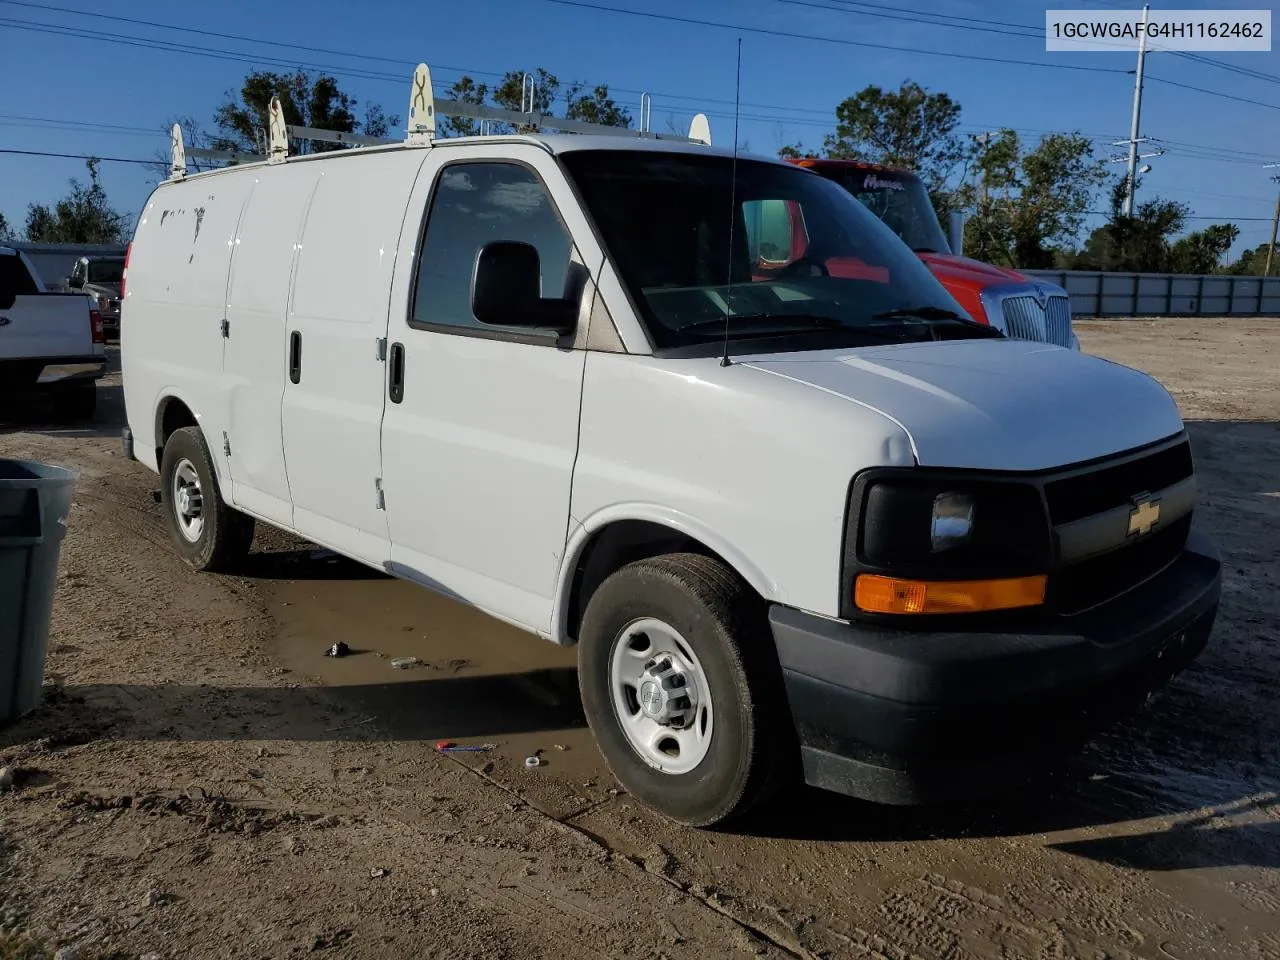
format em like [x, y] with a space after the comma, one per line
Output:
[203, 782]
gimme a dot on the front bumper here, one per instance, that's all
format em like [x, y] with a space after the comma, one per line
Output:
[909, 717]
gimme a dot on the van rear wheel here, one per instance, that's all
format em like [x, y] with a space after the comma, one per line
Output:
[208, 534]
[681, 687]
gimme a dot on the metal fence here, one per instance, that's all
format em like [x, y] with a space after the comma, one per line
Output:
[1097, 294]
[53, 261]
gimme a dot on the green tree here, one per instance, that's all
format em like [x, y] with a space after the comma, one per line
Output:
[1253, 263]
[1137, 243]
[464, 90]
[243, 119]
[795, 151]
[596, 106]
[6, 232]
[1202, 251]
[1026, 203]
[511, 93]
[83, 216]
[908, 127]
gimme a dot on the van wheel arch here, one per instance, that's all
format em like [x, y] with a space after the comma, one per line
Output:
[171, 415]
[613, 547]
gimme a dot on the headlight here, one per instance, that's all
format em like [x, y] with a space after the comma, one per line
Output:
[952, 520]
[932, 542]
[929, 527]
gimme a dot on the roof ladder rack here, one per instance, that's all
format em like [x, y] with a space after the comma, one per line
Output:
[424, 108]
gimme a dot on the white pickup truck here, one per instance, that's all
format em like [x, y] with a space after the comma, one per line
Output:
[50, 343]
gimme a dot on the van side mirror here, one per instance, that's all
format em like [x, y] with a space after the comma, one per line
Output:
[506, 290]
[8, 298]
[75, 283]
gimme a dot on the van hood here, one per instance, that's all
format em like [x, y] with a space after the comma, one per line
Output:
[948, 266]
[993, 404]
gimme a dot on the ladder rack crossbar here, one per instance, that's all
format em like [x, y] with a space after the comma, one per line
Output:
[421, 132]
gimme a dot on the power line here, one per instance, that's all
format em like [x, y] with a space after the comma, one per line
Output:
[1214, 93]
[343, 71]
[78, 156]
[103, 127]
[840, 41]
[1026, 30]
[903, 15]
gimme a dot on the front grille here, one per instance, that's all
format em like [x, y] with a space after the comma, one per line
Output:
[1094, 491]
[1091, 582]
[1025, 319]
[1057, 321]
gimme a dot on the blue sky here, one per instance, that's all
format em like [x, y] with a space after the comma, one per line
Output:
[1215, 145]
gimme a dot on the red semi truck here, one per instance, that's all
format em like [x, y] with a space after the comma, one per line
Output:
[1018, 305]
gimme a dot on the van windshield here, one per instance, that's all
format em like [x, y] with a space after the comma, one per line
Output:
[805, 256]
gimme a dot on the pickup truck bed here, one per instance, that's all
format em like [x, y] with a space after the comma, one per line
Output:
[50, 343]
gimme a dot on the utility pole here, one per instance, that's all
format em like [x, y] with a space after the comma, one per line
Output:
[1137, 115]
[982, 139]
[1275, 223]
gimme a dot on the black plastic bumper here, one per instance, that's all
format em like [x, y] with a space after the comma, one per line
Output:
[908, 717]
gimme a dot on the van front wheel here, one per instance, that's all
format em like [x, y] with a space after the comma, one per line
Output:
[682, 689]
[208, 534]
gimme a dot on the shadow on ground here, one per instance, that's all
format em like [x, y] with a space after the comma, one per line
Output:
[436, 707]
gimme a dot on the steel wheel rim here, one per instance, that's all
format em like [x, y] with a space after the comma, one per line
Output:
[661, 697]
[188, 501]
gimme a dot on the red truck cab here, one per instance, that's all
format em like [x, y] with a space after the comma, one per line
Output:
[1018, 305]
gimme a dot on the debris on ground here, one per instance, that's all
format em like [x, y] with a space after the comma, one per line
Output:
[339, 649]
[448, 746]
[378, 872]
[534, 761]
[7, 776]
[403, 663]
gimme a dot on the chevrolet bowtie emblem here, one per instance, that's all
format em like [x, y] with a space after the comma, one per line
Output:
[1144, 515]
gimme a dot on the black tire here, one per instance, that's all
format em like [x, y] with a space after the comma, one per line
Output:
[76, 402]
[752, 751]
[225, 534]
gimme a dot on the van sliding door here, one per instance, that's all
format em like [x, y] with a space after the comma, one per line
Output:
[334, 375]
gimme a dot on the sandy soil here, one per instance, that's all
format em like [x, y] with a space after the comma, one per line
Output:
[203, 782]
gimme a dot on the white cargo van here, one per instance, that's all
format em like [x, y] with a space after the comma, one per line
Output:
[796, 523]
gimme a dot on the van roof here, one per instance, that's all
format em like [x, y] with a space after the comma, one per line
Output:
[554, 144]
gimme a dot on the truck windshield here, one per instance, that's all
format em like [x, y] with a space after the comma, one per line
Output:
[106, 271]
[899, 199]
[805, 256]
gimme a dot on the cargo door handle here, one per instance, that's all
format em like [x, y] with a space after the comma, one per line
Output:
[4, 321]
[395, 373]
[295, 356]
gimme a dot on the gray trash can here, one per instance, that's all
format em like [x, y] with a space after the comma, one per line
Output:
[35, 499]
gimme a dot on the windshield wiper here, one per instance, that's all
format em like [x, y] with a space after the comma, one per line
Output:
[818, 322]
[936, 314]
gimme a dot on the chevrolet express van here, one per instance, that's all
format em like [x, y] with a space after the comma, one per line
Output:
[812, 523]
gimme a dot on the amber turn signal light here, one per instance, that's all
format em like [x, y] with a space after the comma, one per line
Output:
[877, 594]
